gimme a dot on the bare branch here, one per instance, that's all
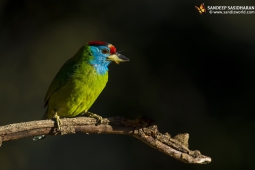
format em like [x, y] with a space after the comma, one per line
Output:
[176, 147]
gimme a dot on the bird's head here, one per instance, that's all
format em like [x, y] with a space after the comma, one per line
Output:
[102, 55]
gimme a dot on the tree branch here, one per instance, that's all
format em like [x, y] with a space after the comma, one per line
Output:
[176, 147]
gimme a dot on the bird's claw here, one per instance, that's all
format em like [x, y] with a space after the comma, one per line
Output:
[57, 118]
[95, 116]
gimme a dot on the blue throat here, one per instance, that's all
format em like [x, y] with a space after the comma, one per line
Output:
[99, 61]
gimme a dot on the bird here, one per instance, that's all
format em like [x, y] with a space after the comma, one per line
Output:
[79, 82]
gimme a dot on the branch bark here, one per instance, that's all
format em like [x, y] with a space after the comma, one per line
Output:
[143, 129]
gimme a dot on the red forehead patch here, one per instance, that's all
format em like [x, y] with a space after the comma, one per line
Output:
[98, 43]
[112, 49]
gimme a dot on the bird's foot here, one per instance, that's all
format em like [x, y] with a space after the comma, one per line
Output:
[97, 117]
[57, 118]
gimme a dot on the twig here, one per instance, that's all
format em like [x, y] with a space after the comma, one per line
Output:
[176, 147]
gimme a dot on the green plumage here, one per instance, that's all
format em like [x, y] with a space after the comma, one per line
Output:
[75, 87]
[79, 82]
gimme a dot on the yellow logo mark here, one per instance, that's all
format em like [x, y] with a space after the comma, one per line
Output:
[201, 9]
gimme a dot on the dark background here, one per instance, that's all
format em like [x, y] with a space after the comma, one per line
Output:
[189, 72]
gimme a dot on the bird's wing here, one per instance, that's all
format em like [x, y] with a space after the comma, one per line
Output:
[62, 77]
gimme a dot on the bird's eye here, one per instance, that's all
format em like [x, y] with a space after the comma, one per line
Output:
[105, 51]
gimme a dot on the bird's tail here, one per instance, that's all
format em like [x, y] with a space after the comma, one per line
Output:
[36, 138]
[40, 137]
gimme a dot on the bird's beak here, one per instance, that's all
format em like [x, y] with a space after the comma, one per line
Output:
[117, 58]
